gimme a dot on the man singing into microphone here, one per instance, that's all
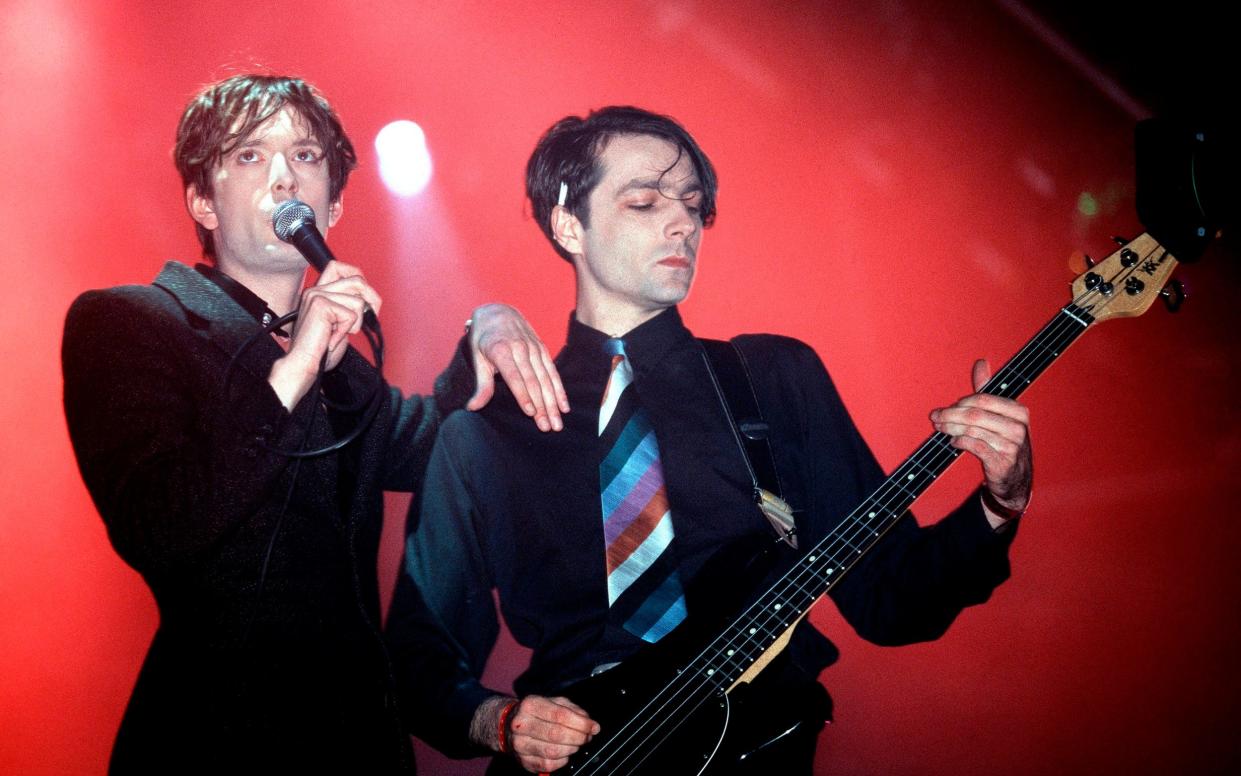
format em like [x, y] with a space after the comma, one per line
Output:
[268, 656]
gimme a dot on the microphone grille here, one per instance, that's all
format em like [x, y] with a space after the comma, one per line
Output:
[289, 215]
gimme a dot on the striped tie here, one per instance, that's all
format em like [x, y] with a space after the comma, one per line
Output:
[644, 588]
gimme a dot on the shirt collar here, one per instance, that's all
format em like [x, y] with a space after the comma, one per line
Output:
[645, 345]
[251, 302]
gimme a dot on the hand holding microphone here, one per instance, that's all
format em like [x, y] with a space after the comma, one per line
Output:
[294, 223]
[337, 305]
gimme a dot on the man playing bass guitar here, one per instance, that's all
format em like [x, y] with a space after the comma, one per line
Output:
[596, 538]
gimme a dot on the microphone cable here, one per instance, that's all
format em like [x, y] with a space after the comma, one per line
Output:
[369, 403]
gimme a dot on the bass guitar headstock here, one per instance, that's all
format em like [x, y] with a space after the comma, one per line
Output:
[1128, 282]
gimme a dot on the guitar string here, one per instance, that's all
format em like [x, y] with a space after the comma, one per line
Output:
[797, 578]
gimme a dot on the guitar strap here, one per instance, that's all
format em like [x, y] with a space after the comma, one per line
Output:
[730, 376]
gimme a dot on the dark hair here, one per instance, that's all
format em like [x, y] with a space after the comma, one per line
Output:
[225, 113]
[569, 153]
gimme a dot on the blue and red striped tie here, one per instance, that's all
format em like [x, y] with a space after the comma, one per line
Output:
[644, 588]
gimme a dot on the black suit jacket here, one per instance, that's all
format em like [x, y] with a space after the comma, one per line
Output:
[268, 653]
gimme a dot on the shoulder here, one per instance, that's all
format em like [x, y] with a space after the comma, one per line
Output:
[491, 441]
[787, 367]
[503, 419]
[105, 326]
[775, 352]
[123, 305]
[121, 309]
[470, 456]
[159, 312]
[468, 436]
[463, 425]
[776, 344]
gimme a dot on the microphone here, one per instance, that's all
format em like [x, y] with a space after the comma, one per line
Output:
[294, 222]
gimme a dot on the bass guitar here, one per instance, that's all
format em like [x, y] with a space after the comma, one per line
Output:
[667, 709]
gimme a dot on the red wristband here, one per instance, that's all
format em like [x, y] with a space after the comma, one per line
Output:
[998, 509]
[503, 732]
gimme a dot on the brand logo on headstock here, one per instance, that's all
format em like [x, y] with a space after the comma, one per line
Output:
[1151, 265]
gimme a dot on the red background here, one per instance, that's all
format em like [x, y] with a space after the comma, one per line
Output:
[902, 187]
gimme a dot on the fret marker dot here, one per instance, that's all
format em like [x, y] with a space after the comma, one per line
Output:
[829, 571]
[730, 652]
[1003, 385]
[753, 631]
[910, 477]
[776, 607]
[872, 514]
[710, 671]
[811, 559]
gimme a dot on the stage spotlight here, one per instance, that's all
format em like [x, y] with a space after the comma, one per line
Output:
[404, 160]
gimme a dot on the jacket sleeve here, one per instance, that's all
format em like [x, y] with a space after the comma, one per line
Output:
[417, 421]
[443, 625]
[172, 463]
[913, 585]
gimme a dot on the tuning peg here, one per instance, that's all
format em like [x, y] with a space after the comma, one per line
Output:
[1089, 261]
[1173, 295]
[1120, 240]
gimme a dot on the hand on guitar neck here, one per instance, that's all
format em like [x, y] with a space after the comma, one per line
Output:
[996, 431]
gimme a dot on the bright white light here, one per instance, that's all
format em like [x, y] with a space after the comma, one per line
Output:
[404, 160]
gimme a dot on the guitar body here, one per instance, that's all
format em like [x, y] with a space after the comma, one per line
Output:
[645, 730]
[751, 729]
[615, 699]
